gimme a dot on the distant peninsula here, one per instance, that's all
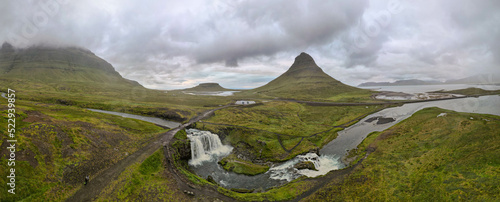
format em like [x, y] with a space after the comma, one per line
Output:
[476, 79]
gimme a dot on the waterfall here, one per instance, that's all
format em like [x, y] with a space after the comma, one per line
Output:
[205, 145]
[323, 164]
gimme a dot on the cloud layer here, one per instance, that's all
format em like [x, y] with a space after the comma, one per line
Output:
[245, 44]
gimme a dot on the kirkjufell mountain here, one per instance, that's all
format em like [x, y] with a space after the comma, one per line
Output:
[305, 79]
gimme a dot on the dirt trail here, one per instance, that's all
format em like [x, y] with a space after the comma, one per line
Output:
[99, 182]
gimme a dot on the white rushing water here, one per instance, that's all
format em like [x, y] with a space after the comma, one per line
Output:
[323, 164]
[205, 145]
[330, 155]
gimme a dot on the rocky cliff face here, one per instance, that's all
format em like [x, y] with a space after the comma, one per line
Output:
[184, 149]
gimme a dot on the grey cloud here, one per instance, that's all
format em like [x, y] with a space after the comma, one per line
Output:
[174, 44]
[269, 27]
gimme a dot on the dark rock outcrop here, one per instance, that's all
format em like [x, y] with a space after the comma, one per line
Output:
[183, 148]
[305, 165]
[211, 179]
[380, 120]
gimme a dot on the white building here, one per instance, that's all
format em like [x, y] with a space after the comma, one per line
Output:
[244, 102]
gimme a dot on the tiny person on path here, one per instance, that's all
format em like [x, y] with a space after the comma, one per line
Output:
[86, 180]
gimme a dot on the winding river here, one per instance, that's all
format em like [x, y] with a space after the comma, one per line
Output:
[330, 154]
[157, 121]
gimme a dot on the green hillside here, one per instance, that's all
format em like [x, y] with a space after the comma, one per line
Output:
[66, 68]
[427, 157]
[306, 80]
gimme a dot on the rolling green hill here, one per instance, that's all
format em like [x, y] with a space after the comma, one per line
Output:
[305, 80]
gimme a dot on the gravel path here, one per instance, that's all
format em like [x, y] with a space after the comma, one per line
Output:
[99, 182]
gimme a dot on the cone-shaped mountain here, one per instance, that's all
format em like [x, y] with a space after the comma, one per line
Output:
[304, 79]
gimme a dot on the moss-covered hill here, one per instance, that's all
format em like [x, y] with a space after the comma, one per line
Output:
[65, 67]
[427, 158]
[57, 146]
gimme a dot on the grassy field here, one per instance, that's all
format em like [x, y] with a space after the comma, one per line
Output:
[426, 158]
[59, 145]
[146, 180]
[175, 106]
[300, 128]
[284, 193]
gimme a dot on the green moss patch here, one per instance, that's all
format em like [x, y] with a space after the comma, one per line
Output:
[234, 164]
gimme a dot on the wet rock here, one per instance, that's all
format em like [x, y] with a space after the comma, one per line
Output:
[211, 179]
[380, 120]
[384, 120]
[314, 150]
[184, 149]
[305, 165]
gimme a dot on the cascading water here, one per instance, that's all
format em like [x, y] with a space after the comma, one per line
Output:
[323, 164]
[205, 145]
[347, 139]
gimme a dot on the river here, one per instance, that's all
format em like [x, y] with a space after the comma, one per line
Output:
[330, 154]
[158, 121]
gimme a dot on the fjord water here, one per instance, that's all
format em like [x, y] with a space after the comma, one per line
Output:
[430, 88]
[330, 154]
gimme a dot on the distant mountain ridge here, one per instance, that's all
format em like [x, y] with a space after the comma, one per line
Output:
[401, 83]
[208, 87]
[304, 79]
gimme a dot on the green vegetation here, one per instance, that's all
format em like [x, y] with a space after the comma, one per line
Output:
[233, 163]
[279, 130]
[152, 164]
[181, 135]
[426, 158]
[471, 91]
[283, 193]
[147, 180]
[59, 145]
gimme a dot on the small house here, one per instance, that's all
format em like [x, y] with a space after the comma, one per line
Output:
[244, 102]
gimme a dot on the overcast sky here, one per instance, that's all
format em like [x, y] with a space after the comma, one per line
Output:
[245, 44]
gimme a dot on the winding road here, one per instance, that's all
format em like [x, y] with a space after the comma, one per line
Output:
[99, 182]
